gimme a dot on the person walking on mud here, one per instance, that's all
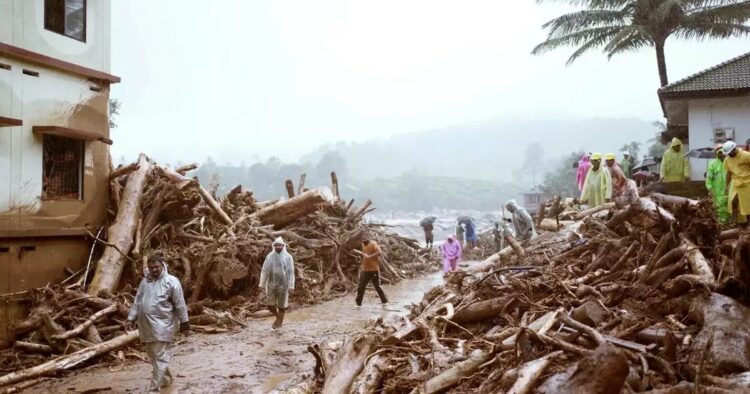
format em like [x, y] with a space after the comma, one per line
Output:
[451, 252]
[158, 309]
[370, 270]
[277, 279]
[428, 234]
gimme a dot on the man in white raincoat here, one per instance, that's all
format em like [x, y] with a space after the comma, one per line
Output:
[523, 224]
[158, 309]
[277, 278]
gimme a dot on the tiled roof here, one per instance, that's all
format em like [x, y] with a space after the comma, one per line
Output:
[730, 75]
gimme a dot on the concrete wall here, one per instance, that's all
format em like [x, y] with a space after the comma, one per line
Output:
[707, 114]
[58, 99]
[22, 25]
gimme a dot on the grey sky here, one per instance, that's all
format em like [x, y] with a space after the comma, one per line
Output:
[235, 79]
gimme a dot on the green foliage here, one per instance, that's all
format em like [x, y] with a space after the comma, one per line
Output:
[656, 149]
[633, 148]
[562, 181]
[619, 26]
[114, 111]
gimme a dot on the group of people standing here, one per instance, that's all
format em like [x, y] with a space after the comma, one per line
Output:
[601, 184]
[728, 183]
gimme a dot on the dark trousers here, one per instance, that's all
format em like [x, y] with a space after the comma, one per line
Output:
[364, 278]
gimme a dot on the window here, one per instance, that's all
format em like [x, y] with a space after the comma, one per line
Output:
[66, 17]
[62, 172]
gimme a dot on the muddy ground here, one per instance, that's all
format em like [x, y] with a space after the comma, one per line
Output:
[256, 359]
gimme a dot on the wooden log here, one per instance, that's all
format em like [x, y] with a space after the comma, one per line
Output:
[453, 376]
[33, 347]
[517, 248]
[371, 377]
[540, 326]
[601, 372]
[530, 372]
[672, 201]
[733, 233]
[301, 185]
[698, 263]
[70, 360]
[548, 224]
[289, 188]
[96, 302]
[482, 310]
[591, 211]
[121, 232]
[92, 335]
[83, 326]
[182, 180]
[123, 170]
[350, 361]
[286, 212]
[335, 186]
[182, 170]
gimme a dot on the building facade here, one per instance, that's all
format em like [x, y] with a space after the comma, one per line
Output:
[710, 107]
[54, 140]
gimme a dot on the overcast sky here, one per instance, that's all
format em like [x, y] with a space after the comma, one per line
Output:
[240, 80]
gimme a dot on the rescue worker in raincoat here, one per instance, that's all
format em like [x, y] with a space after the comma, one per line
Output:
[627, 165]
[597, 188]
[158, 310]
[451, 252]
[674, 165]
[619, 181]
[583, 169]
[737, 187]
[277, 279]
[716, 178]
[523, 224]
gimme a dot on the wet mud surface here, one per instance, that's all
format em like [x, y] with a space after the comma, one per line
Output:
[256, 359]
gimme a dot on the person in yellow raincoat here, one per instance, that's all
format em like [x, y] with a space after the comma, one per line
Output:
[674, 164]
[737, 187]
[716, 177]
[597, 188]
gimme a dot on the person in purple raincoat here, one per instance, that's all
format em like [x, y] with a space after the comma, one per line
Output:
[583, 169]
[451, 251]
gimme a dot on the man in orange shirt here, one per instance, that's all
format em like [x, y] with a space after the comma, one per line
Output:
[370, 271]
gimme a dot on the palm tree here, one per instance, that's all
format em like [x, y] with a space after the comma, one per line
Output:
[627, 25]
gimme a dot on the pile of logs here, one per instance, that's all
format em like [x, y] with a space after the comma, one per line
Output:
[640, 298]
[216, 247]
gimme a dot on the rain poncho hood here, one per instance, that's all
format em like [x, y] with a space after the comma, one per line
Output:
[523, 224]
[159, 307]
[597, 188]
[716, 177]
[583, 168]
[674, 165]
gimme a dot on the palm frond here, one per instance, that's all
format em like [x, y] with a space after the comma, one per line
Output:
[627, 39]
[738, 12]
[593, 4]
[714, 30]
[581, 20]
[588, 38]
[587, 46]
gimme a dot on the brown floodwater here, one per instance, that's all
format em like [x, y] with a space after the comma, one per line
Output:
[256, 359]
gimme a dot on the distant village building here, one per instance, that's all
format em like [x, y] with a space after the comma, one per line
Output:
[54, 141]
[709, 107]
[532, 198]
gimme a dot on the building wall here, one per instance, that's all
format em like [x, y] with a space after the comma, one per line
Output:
[57, 99]
[705, 115]
[22, 25]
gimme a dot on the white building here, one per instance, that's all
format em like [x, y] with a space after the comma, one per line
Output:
[54, 140]
[710, 107]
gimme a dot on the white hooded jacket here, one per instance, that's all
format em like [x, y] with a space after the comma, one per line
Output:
[278, 269]
[159, 307]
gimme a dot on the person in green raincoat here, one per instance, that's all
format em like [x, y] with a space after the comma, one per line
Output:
[674, 164]
[626, 165]
[597, 188]
[716, 177]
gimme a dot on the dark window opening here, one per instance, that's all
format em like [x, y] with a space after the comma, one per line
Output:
[62, 173]
[5, 66]
[66, 17]
[31, 73]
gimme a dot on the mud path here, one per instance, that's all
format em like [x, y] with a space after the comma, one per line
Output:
[258, 358]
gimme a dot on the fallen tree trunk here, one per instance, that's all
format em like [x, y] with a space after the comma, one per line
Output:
[548, 224]
[123, 171]
[698, 263]
[602, 372]
[182, 180]
[530, 372]
[672, 201]
[110, 265]
[452, 376]
[70, 360]
[517, 249]
[482, 310]
[591, 211]
[349, 363]
[285, 212]
[83, 326]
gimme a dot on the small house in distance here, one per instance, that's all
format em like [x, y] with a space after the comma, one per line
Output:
[710, 107]
[54, 141]
[532, 198]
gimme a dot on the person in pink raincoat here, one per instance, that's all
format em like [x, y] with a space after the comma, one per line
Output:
[451, 251]
[583, 169]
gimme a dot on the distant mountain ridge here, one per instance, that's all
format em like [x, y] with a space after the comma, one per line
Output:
[489, 150]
